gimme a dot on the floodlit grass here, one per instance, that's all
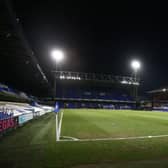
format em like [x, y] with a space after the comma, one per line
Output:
[33, 145]
[88, 123]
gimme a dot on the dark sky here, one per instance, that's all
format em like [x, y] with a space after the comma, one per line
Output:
[99, 37]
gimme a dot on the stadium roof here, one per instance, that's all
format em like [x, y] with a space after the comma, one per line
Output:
[68, 75]
[19, 66]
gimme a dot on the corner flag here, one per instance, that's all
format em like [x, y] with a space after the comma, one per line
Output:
[56, 109]
[57, 123]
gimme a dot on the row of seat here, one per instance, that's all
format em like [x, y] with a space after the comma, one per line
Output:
[10, 92]
[82, 94]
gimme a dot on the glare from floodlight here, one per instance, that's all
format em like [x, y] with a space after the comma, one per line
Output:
[135, 65]
[57, 55]
[135, 83]
[164, 89]
[124, 82]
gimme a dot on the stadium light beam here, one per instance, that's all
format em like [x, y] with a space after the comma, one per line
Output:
[57, 55]
[164, 89]
[136, 65]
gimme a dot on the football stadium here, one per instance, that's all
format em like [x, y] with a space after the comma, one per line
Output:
[55, 116]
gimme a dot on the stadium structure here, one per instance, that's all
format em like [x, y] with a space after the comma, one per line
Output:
[74, 89]
[18, 61]
[100, 113]
[91, 90]
[159, 99]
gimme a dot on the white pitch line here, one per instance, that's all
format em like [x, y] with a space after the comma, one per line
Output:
[115, 139]
[68, 138]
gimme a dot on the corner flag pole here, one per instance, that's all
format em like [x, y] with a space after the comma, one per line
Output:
[56, 110]
[56, 127]
[60, 124]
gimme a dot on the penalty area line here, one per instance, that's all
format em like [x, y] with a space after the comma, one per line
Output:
[112, 139]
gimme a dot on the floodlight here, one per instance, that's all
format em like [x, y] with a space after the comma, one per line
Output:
[164, 89]
[124, 82]
[135, 64]
[57, 55]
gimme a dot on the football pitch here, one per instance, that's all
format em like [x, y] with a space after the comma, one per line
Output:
[106, 138]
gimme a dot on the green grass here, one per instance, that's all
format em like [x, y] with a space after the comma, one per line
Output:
[33, 145]
[107, 123]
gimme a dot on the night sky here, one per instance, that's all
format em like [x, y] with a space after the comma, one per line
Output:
[99, 37]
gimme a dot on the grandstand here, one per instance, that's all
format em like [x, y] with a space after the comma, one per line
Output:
[159, 99]
[88, 90]
[9, 94]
